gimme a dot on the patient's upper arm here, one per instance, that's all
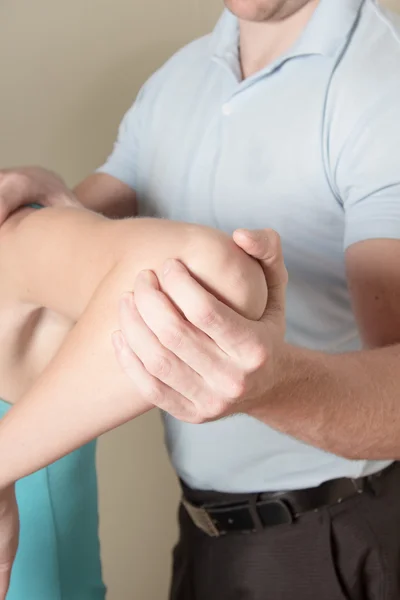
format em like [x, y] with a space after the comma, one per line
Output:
[57, 258]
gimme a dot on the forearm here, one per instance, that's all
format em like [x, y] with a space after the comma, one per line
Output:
[80, 395]
[106, 195]
[347, 404]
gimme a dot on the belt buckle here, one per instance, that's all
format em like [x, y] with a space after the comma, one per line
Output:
[201, 519]
[245, 517]
[235, 518]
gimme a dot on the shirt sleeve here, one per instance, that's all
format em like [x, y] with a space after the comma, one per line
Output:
[368, 173]
[122, 162]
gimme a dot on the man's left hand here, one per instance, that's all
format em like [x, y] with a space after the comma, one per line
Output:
[190, 354]
[27, 185]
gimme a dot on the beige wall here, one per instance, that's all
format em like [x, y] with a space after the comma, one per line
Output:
[393, 4]
[68, 70]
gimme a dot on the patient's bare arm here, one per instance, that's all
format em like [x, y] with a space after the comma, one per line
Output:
[83, 392]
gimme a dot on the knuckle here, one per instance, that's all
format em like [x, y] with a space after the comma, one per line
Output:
[196, 419]
[205, 315]
[258, 357]
[215, 409]
[153, 393]
[237, 387]
[206, 411]
[172, 336]
[159, 366]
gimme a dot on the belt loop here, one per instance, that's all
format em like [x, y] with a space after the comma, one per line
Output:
[359, 485]
[374, 483]
[258, 526]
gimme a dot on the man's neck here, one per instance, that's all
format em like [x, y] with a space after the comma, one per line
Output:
[261, 43]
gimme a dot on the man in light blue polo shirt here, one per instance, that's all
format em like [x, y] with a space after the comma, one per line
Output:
[287, 117]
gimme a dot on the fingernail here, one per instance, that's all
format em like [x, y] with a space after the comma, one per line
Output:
[127, 300]
[242, 231]
[118, 340]
[148, 278]
[255, 235]
[252, 236]
[172, 265]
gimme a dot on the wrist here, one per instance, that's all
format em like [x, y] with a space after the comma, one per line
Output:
[283, 365]
[290, 368]
[274, 378]
[299, 402]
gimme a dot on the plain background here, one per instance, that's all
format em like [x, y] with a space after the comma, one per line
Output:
[68, 71]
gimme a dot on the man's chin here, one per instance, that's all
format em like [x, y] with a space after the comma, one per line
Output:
[258, 11]
[247, 11]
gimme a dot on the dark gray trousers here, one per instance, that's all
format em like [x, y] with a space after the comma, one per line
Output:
[347, 552]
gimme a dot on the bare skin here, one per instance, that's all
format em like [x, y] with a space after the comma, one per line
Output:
[31, 335]
[268, 28]
[63, 271]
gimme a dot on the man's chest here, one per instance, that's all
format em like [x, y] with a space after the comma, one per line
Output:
[249, 155]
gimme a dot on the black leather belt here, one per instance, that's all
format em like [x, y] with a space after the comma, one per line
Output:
[259, 511]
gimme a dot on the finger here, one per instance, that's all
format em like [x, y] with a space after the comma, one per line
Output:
[232, 333]
[265, 246]
[159, 361]
[15, 190]
[4, 212]
[220, 371]
[152, 390]
[8, 198]
[186, 341]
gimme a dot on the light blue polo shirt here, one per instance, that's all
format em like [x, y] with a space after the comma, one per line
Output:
[310, 146]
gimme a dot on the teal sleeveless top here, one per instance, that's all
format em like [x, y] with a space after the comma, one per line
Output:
[59, 552]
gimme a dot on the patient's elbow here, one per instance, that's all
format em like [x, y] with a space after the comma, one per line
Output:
[226, 271]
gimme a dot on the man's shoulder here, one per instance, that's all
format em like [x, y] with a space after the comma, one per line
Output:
[370, 64]
[197, 50]
[366, 80]
[184, 65]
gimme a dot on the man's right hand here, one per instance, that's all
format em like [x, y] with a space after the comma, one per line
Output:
[27, 185]
[9, 533]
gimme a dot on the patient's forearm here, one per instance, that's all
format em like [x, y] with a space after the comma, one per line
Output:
[82, 394]
[107, 195]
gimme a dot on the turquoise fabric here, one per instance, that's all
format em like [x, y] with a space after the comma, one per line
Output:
[59, 552]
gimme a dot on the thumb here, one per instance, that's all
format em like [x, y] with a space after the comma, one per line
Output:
[8, 200]
[265, 245]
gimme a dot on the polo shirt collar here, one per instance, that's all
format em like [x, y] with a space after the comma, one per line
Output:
[325, 34]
